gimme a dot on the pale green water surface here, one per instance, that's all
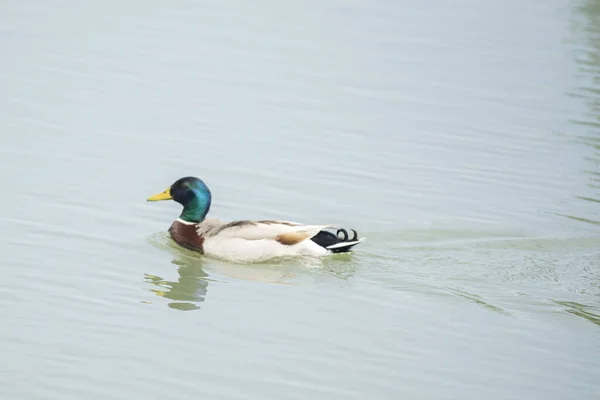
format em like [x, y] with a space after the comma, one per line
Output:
[461, 138]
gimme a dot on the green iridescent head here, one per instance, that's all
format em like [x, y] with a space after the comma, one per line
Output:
[192, 193]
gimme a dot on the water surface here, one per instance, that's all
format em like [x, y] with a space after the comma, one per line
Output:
[461, 140]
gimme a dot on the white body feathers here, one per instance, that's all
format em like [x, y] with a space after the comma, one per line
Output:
[255, 241]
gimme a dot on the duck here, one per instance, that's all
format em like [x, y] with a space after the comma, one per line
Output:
[246, 240]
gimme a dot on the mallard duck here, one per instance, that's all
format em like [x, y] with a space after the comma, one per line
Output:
[245, 240]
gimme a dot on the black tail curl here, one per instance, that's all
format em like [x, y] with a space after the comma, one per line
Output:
[345, 232]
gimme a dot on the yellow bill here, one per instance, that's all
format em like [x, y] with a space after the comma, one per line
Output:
[166, 195]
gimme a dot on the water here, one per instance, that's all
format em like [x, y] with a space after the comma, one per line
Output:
[461, 140]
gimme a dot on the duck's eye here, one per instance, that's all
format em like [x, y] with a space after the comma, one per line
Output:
[184, 185]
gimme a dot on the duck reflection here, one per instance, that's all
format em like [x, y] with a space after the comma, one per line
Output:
[189, 289]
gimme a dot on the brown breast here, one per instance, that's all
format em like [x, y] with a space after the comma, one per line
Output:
[186, 236]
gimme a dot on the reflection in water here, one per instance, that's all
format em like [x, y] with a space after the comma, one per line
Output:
[478, 300]
[581, 310]
[190, 288]
[193, 269]
[589, 69]
[342, 266]
[586, 220]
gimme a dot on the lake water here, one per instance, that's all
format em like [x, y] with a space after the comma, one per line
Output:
[461, 139]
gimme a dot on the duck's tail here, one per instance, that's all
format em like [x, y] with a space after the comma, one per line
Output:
[337, 243]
